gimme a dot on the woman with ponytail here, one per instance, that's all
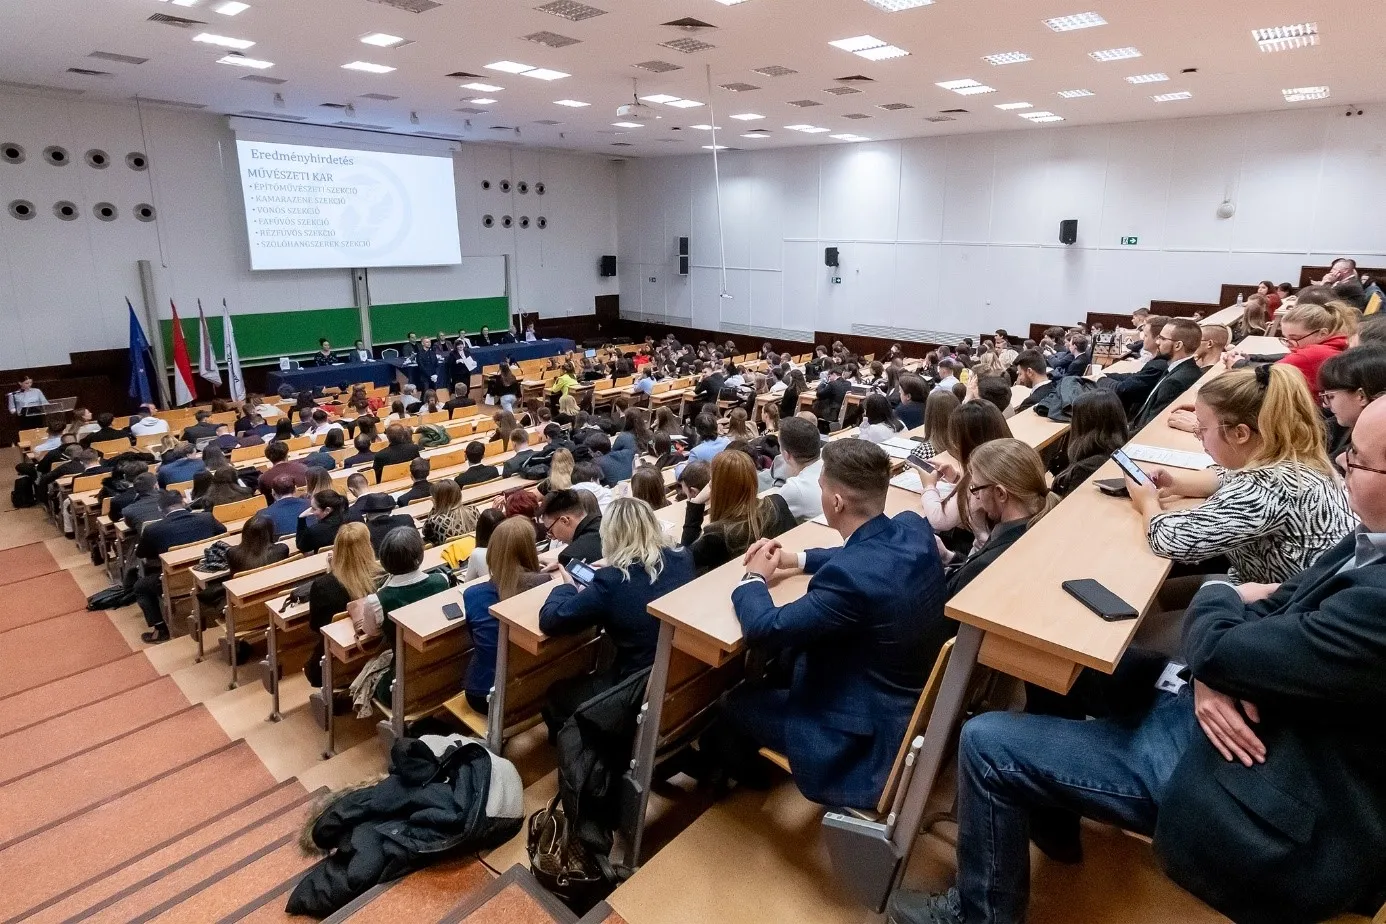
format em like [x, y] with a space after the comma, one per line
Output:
[1273, 502]
[1314, 333]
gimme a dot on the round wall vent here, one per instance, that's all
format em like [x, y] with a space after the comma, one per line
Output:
[505, 186]
[506, 222]
[524, 221]
[22, 209]
[538, 189]
[542, 222]
[12, 153]
[98, 158]
[522, 186]
[488, 221]
[485, 184]
[136, 161]
[57, 155]
[66, 211]
[105, 211]
[145, 212]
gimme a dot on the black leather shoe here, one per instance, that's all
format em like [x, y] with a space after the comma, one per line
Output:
[155, 636]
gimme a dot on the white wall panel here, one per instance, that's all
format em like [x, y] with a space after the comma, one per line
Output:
[861, 191]
[923, 172]
[968, 184]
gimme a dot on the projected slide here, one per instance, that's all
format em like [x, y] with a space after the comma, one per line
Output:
[313, 208]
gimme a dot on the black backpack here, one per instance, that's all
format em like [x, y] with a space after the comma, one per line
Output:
[23, 493]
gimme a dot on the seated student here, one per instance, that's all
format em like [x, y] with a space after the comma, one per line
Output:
[993, 389]
[866, 631]
[519, 445]
[449, 518]
[401, 554]
[1274, 503]
[176, 526]
[144, 423]
[53, 440]
[379, 513]
[358, 488]
[913, 396]
[616, 465]
[1032, 372]
[420, 489]
[1314, 333]
[398, 449]
[363, 454]
[318, 524]
[178, 465]
[1097, 428]
[692, 478]
[140, 505]
[938, 410]
[800, 445]
[1349, 382]
[284, 511]
[1255, 780]
[323, 458]
[710, 440]
[647, 484]
[1177, 343]
[1010, 495]
[202, 429]
[947, 508]
[737, 516]
[512, 564]
[397, 413]
[225, 488]
[1214, 343]
[486, 523]
[458, 399]
[587, 477]
[948, 374]
[280, 465]
[831, 392]
[283, 431]
[878, 420]
[476, 472]
[559, 387]
[1371, 329]
[564, 518]
[257, 547]
[641, 565]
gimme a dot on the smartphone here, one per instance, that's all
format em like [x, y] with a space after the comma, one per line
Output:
[1099, 599]
[1112, 487]
[582, 572]
[452, 611]
[1132, 470]
[918, 461]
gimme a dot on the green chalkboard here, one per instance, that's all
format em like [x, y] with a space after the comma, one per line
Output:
[270, 335]
[392, 323]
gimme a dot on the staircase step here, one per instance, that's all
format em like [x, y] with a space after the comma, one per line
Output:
[263, 875]
[22, 710]
[514, 898]
[424, 896]
[38, 654]
[72, 866]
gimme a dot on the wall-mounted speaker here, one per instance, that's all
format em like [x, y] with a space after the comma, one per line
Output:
[830, 256]
[608, 266]
[1068, 231]
[683, 266]
[683, 246]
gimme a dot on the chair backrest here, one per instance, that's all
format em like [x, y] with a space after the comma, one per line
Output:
[225, 417]
[298, 442]
[247, 453]
[661, 387]
[340, 454]
[148, 439]
[448, 459]
[239, 510]
[111, 448]
[922, 710]
[624, 382]
[485, 425]
[182, 487]
[494, 448]
[394, 471]
[389, 353]
[82, 483]
[295, 364]
[435, 417]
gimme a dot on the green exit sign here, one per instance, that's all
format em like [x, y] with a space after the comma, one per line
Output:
[1128, 241]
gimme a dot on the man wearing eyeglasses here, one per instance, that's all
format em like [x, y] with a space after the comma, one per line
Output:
[1177, 343]
[1260, 780]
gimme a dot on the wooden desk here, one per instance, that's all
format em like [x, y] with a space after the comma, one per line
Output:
[341, 645]
[441, 644]
[1262, 346]
[1225, 316]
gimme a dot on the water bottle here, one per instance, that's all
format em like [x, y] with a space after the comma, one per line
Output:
[1239, 299]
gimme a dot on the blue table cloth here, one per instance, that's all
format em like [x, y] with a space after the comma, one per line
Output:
[493, 355]
[309, 377]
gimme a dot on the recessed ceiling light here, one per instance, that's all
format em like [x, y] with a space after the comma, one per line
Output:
[857, 43]
[847, 136]
[1147, 78]
[367, 67]
[509, 67]
[659, 98]
[1037, 114]
[543, 73]
[243, 61]
[1075, 94]
[895, 6]
[1301, 94]
[884, 53]
[1049, 118]
[482, 87]
[381, 39]
[1285, 38]
[1076, 21]
[748, 116]
[715, 147]
[806, 129]
[1010, 106]
[1114, 54]
[730, 2]
[627, 124]
[185, 2]
[755, 135]
[482, 101]
[1007, 57]
[704, 127]
[966, 87]
[1171, 97]
[684, 103]
[232, 8]
[222, 40]
[869, 47]
[571, 103]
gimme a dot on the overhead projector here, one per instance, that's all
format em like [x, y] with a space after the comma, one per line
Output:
[636, 112]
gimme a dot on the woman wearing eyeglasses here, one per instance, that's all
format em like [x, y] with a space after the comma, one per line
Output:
[1314, 333]
[1349, 382]
[1273, 503]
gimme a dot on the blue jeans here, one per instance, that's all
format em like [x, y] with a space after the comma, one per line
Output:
[1111, 770]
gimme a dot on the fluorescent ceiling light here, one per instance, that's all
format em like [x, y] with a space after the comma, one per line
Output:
[243, 61]
[730, 2]
[1147, 78]
[684, 103]
[1171, 97]
[1285, 38]
[715, 147]
[1037, 114]
[747, 116]
[884, 53]
[1114, 54]
[806, 129]
[659, 98]
[232, 7]
[627, 124]
[1076, 21]
[482, 101]
[1007, 57]
[543, 73]
[185, 2]
[571, 103]
[222, 40]
[1301, 94]
[895, 6]
[381, 39]
[1075, 94]
[859, 43]
[482, 87]
[705, 127]
[1049, 118]
[367, 67]
[755, 135]
[1010, 106]
[966, 87]
[849, 137]
[509, 67]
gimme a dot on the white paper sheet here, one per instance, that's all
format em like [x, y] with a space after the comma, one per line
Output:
[1174, 458]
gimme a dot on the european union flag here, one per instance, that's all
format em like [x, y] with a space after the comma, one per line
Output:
[139, 350]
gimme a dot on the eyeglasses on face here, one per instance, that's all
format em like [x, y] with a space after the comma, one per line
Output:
[975, 489]
[1349, 456]
[1295, 341]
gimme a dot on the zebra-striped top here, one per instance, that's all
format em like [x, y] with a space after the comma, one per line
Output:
[1270, 522]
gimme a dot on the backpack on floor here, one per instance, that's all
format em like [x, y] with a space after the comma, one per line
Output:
[112, 598]
[23, 493]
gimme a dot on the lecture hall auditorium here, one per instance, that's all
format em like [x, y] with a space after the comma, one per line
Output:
[578, 462]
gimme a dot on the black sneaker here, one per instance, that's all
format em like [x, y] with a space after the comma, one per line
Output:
[155, 636]
[920, 908]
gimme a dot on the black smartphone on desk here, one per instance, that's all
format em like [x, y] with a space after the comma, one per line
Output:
[452, 611]
[1112, 487]
[1100, 600]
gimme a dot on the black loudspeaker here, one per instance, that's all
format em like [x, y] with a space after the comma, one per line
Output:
[609, 265]
[683, 266]
[830, 256]
[1068, 231]
[683, 246]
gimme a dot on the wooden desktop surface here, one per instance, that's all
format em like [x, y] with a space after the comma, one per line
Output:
[521, 615]
[1262, 346]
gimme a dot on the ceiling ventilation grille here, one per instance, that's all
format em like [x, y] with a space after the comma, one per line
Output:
[622, 144]
[953, 111]
[902, 333]
[365, 125]
[176, 21]
[856, 115]
[333, 105]
[547, 122]
[687, 45]
[658, 67]
[119, 59]
[738, 87]
[893, 107]
[261, 78]
[381, 97]
[276, 116]
[571, 10]
[804, 103]
[411, 6]
[171, 103]
[502, 128]
[939, 118]
[774, 70]
[841, 91]
[470, 110]
[63, 91]
[88, 72]
[551, 39]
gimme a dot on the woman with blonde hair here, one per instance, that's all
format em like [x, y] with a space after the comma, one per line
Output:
[938, 409]
[450, 518]
[1273, 503]
[513, 567]
[353, 575]
[738, 516]
[567, 410]
[1314, 333]
[641, 566]
[560, 472]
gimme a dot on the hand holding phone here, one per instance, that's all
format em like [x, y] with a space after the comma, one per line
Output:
[581, 572]
[921, 463]
[1129, 468]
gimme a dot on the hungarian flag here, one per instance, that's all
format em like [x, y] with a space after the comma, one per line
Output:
[184, 389]
[206, 356]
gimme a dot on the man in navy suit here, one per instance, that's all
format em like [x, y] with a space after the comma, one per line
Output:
[866, 635]
[178, 526]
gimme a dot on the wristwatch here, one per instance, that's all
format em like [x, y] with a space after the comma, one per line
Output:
[754, 576]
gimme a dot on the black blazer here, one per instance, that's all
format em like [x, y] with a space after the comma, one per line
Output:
[1301, 837]
[176, 528]
[1174, 383]
[1134, 387]
[404, 452]
[476, 474]
[378, 527]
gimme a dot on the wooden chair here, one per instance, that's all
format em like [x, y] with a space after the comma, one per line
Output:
[225, 417]
[494, 448]
[111, 448]
[298, 442]
[148, 439]
[394, 471]
[182, 487]
[434, 418]
[239, 510]
[448, 459]
[247, 453]
[81, 483]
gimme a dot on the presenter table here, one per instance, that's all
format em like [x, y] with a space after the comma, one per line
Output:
[377, 373]
[492, 355]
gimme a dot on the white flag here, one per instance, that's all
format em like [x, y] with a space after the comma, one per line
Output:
[207, 357]
[233, 359]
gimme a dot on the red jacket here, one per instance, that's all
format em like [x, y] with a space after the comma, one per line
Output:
[1309, 359]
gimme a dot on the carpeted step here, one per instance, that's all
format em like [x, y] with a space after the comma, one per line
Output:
[88, 727]
[32, 803]
[424, 896]
[40, 653]
[39, 704]
[217, 879]
[515, 898]
[87, 859]
[39, 598]
[26, 561]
